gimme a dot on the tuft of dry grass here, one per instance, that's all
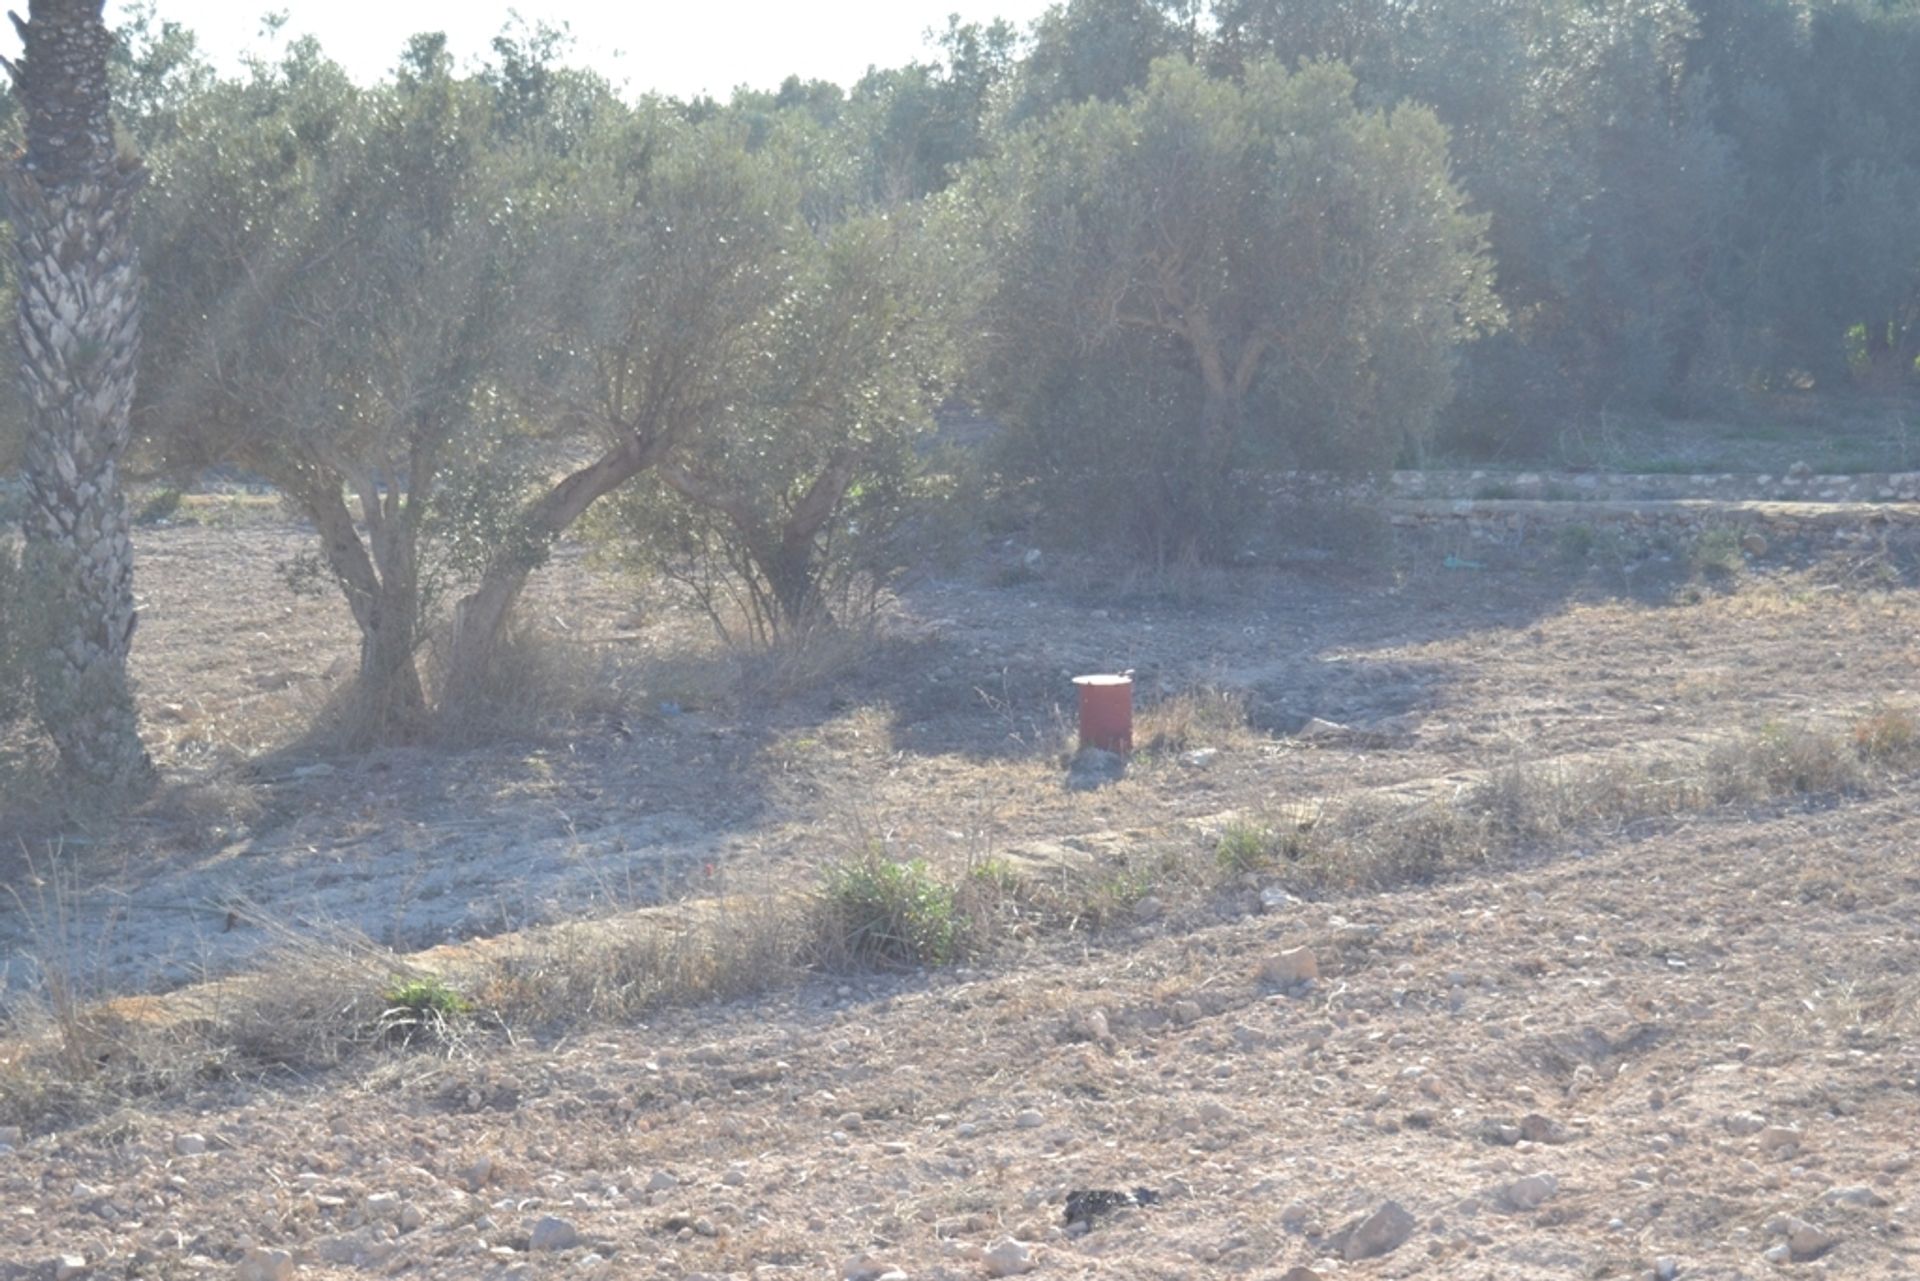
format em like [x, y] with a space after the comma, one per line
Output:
[1203, 717]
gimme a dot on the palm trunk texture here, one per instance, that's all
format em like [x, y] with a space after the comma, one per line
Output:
[70, 198]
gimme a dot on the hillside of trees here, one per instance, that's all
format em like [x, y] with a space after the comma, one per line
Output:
[1168, 246]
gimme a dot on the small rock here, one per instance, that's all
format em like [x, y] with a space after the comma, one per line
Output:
[1274, 899]
[1300, 1273]
[1200, 757]
[1809, 1240]
[1666, 1268]
[1088, 1025]
[189, 1145]
[69, 1266]
[866, 1267]
[1295, 1215]
[476, 1175]
[1531, 1192]
[1149, 909]
[661, 1181]
[1778, 1138]
[1535, 1128]
[1859, 1195]
[1778, 1255]
[1382, 1232]
[1742, 1124]
[1093, 768]
[1295, 965]
[1322, 729]
[1030, 1119]
[412, 1217]
[383, 1205]
[261, 1264]
[1007, 1258]
[553, 1234]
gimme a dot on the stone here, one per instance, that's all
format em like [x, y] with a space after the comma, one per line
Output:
[1200, 757]
[412, 1217]
[383, 1205]
[1007, 1258]
[661, 1181]
[1780, 1138]
[1382, 1232]
[189, 1145]
[1666, 1268]
[866, 1267]
[1030, 1119]
[69, 1266]
[1858, 1195]
[1300, 1273]
[261, 1264]
[551, 1233]
[475, 1176]
[1093, 768]
[1149, 909]
[1535, 1128]
[1531, 1192]
[1274, 899]
[1808, 1240]
[1295, 965]
[1089, 1025]
[1777, 1255]
[1742, 1124]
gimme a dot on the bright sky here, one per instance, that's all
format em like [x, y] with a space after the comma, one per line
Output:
[671, 46]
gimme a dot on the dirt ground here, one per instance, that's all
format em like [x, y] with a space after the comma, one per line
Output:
[1701, 1030]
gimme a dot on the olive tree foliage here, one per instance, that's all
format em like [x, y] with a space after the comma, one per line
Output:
[663, 261]
[779, 513]
[1222, 273]
[329, 269]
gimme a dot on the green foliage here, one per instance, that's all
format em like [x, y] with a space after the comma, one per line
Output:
[879, 911]
[1717, 551]
[421, 1008]
[161, 505]
[785, 505]
[1221, 274]
[1245, 847]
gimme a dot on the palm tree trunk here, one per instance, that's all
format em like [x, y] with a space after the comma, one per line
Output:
[70, 197]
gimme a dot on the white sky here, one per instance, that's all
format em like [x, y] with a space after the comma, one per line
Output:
[679, 47]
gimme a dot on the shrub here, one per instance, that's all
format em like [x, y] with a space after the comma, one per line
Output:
[883, 912]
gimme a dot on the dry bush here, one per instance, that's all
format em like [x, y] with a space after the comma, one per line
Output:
[1204, 717]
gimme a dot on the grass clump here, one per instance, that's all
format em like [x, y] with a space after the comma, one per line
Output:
[1246, 847]
[421, 1007]
[1205, 717]
[1717, 553]
[879, 911]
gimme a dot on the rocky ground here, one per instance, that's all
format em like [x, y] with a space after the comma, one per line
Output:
[1681, 1051]
[1669, 1047]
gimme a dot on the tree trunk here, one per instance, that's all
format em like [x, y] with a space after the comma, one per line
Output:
[70, 197]
[481, 617]
[383, 592]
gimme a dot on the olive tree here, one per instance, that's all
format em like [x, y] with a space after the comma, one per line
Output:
[1283, 273]
[785, 503]
[329, 266]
